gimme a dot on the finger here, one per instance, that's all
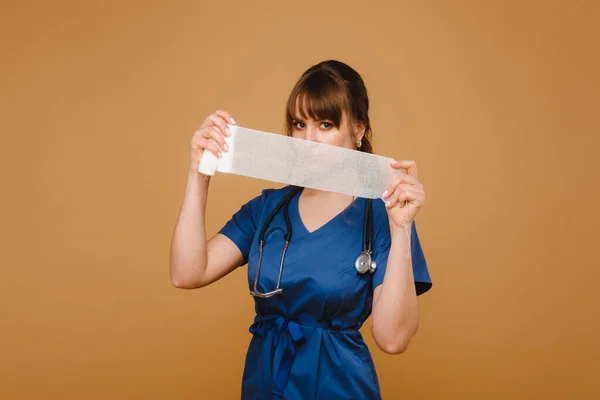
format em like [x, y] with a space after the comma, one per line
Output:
[405, 178]
[389, 190]
[217, 136]
[405, 192]
[407, 196]
[393, 198]
[212, 132]
[221, 124]
[409, 165]
[218, 121]
[210, 145]
[200, 142]
[396, 180]
[402, 178]
[226, 116]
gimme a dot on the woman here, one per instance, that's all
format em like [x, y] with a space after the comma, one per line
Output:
[306, 342]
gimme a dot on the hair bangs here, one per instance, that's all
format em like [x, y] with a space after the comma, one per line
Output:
[319, 97]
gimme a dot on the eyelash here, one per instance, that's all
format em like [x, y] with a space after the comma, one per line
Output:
[323, 123]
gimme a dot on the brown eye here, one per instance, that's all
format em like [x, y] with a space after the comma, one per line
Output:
[299, 125]
[326, 125]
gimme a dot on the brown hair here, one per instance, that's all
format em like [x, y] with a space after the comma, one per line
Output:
[324, 92]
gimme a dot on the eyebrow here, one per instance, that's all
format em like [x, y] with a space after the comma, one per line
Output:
[294, 119]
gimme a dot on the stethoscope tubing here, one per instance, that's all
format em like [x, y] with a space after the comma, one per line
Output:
[364, 262]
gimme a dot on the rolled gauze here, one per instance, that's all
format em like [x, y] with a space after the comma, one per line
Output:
[283, 159]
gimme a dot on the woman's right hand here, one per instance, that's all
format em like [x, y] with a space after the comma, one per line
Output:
[214, 127]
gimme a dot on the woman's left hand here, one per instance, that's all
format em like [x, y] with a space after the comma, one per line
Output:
[405, 196]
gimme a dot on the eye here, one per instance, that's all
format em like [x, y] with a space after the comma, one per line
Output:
[326, 125]
[299, 125]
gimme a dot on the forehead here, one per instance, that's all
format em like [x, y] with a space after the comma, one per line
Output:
[319, 106]
[305, 114]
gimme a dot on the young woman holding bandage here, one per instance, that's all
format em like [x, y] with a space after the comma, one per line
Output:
[306, 342]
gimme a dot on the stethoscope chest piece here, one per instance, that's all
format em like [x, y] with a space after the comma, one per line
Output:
[365, 263]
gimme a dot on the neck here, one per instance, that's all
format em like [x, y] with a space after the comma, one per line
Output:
[323, 195]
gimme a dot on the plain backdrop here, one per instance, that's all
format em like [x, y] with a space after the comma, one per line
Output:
[497, 101]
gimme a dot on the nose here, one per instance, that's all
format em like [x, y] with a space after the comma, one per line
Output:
[311, 133]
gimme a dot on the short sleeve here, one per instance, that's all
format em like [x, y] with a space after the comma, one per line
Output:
[381, 250]
[241, 228]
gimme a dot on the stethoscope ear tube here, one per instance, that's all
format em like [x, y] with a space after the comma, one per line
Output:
[364, 262]
[288, 236]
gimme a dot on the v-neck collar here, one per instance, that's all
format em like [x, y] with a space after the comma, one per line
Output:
[356, 206]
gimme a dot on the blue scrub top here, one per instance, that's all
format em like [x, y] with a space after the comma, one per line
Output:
[306, 342]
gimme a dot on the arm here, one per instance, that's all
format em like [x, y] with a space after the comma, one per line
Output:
[395, 316]
[194, 261]
[395, 309]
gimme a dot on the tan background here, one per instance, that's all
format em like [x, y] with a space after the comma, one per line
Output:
[496, 100]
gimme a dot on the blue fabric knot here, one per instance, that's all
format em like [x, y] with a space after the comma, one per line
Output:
[281, 326]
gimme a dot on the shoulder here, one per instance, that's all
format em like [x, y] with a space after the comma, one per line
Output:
[253, 211]
[271, 195]
[266, 200]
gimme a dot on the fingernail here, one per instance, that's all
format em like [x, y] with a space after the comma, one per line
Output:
[232, 121]
[387, 203]
[385, 194]
[228, 132]
[226, 147]
[219, 154]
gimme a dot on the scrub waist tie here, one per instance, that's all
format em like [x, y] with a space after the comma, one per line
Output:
[283, 326]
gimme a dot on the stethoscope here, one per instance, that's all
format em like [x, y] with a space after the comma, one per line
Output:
[364, 262]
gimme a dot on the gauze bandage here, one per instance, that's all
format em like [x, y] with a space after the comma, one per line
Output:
[303, 163]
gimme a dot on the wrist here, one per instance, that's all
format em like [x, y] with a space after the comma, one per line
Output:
[197, 176]
[396, 229]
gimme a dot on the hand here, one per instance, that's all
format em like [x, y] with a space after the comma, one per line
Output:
[405, 196]
[214, 127]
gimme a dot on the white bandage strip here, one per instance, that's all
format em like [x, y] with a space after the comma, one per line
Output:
[279, 158]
